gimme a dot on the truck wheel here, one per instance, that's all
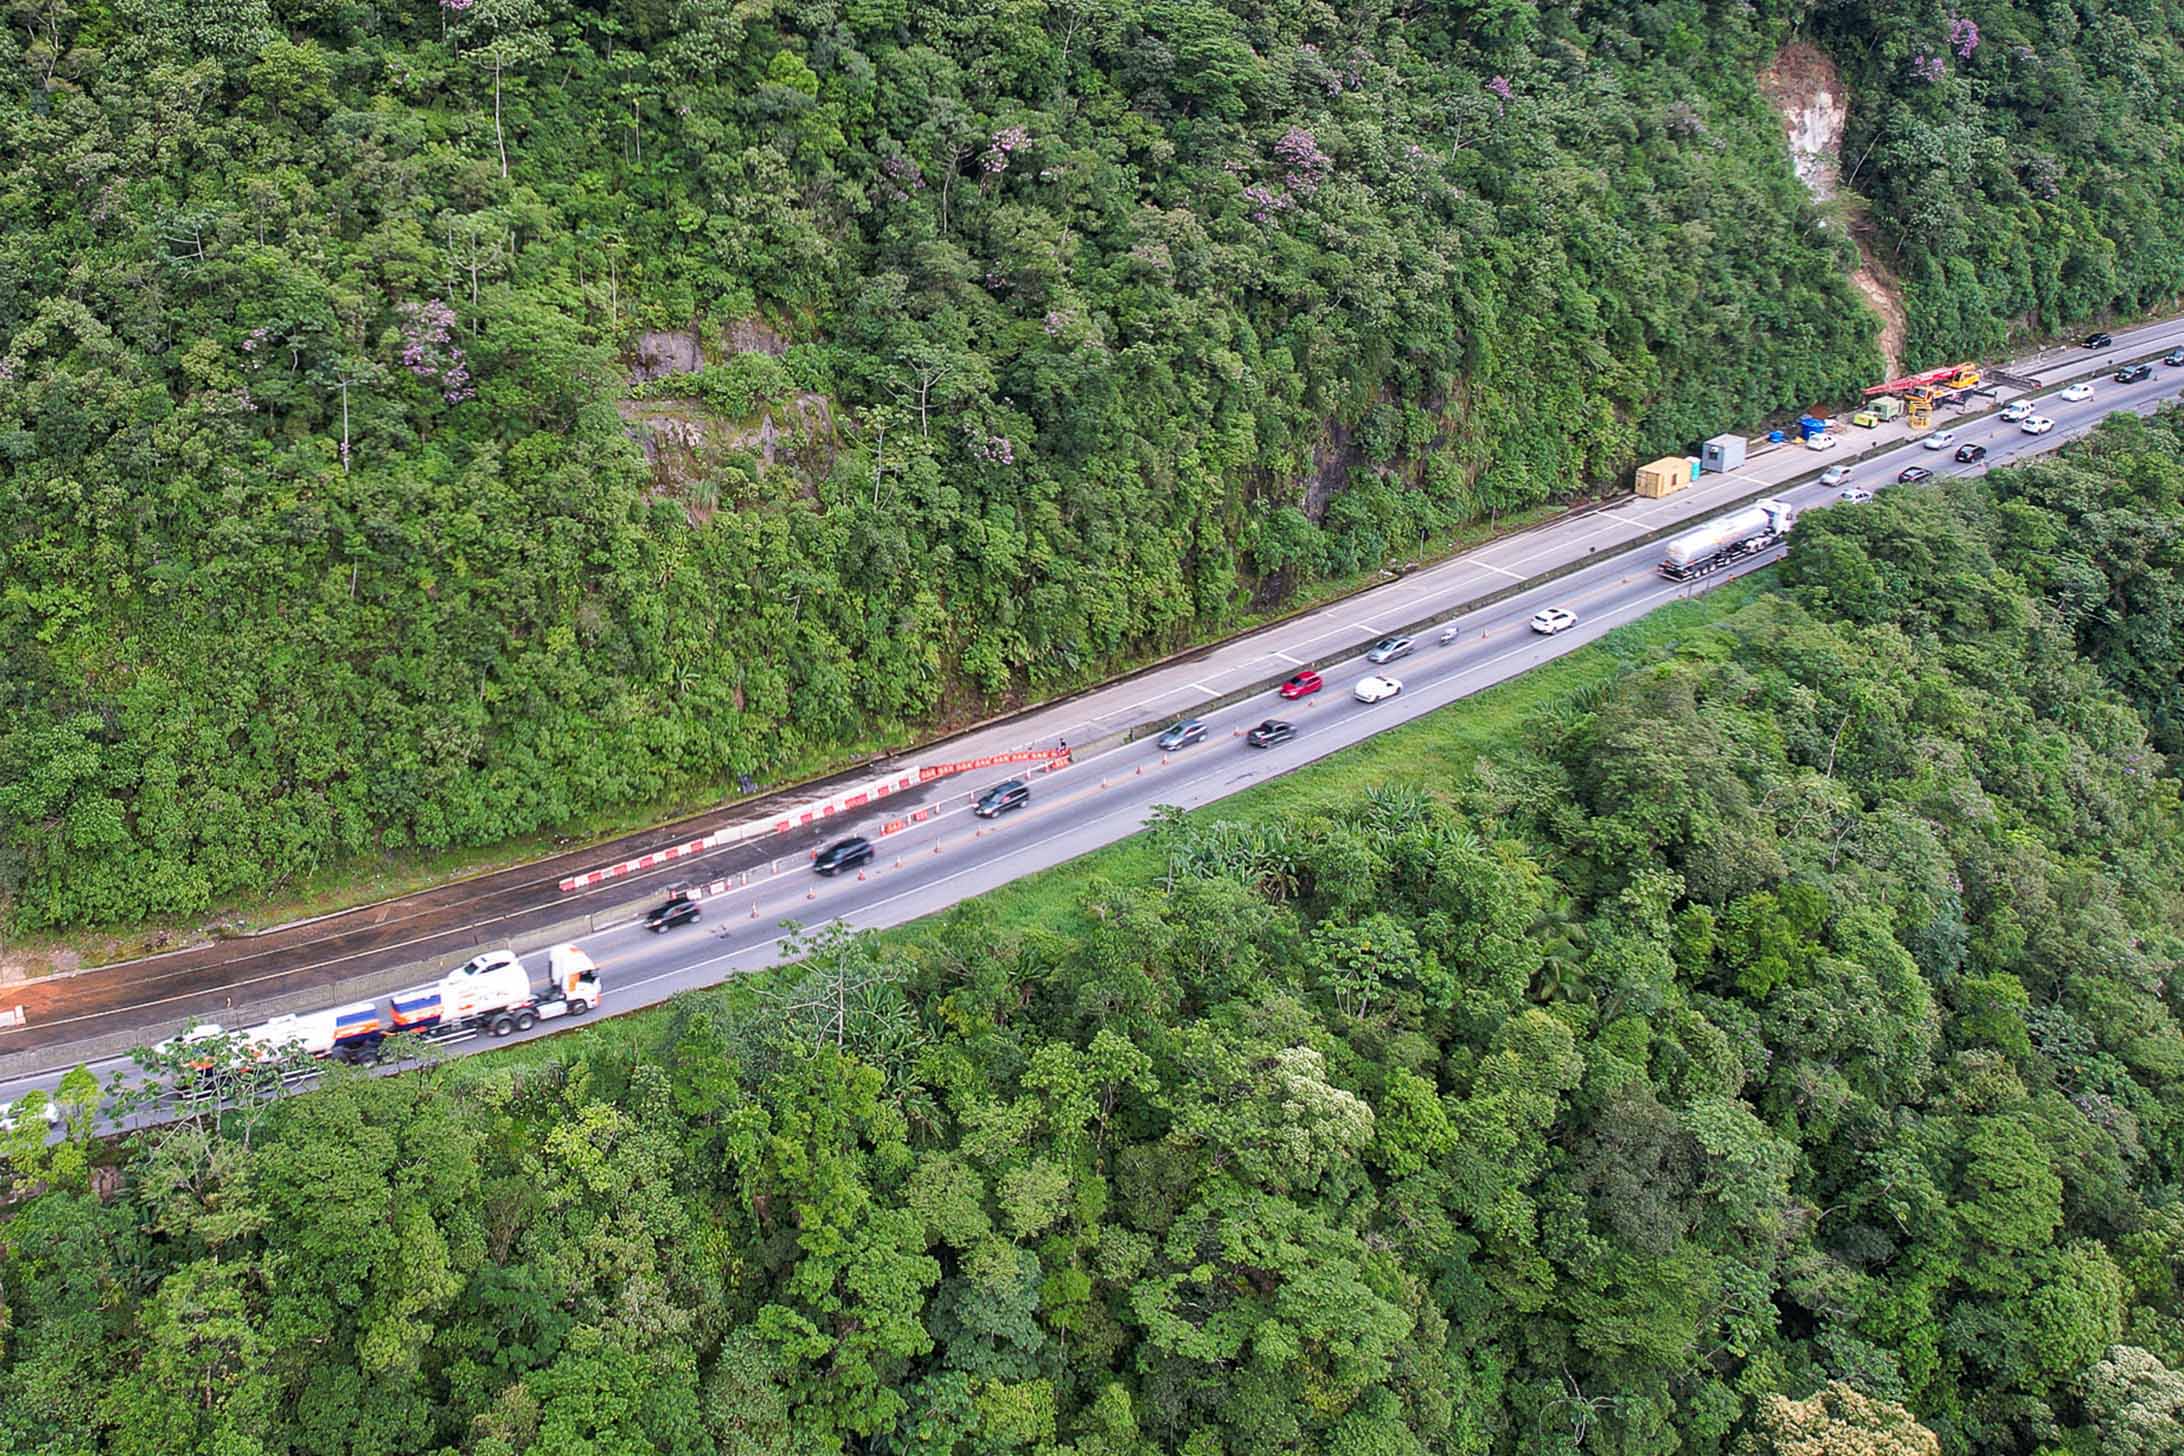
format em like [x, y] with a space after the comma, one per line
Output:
[579, 1006]
[525, 1020]
[502, 1025]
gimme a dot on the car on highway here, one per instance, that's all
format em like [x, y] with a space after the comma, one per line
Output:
[1001, 798]
[2173, 358]
[2037, 425]
[1940, 440]
[51, 1113]
[2016, 410]
[1913, 474]
[1376, 688]
[1821, 441]
[848, 854]
[2133, 373]
[2097, 341]
[1857, 495]
[1183, 734]
[676, 909]
[1966, 454]
[1271, 732]
[1835, 475]
[1388, 649]
[1303, 685]
[1553, 620]
[2077, 392]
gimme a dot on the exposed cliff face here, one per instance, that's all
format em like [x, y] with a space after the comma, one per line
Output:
[1808, 91]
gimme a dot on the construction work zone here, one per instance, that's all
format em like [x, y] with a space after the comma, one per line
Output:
[848, 801]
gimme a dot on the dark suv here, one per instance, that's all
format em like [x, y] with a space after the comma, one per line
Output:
[2133, 373]
[1003, 797]
[679, 909]
[1271, 732]
[850, 853]
[2097, 341]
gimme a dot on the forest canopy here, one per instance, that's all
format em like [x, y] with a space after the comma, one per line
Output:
[969, 351]
[1771, 1049]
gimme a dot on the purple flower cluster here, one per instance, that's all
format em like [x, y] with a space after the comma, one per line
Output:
[1265, 202]
[1308, 166]
[1500, 87]
[1008, 139]
[901, 178]
[427, 352]
[993, 449]
[7, 371]
[1963, 37]
[1927, 68]
[254, 338]
[1056, 321]
[458, 6]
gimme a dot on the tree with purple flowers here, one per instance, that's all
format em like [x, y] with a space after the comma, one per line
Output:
[428, 350]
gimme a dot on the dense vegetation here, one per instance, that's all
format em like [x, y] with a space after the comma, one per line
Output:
[2022, 159]
[321, 534]
[1773, 1049]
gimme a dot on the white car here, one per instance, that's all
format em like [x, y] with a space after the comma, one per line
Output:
[51, 1111]
[1940, 440]
[1835, 475]
[2016, 410]
[2037, 425]
[2077, 392]
[1374, 688]
[1821, 441]
[1553, 620]
[1857, 495]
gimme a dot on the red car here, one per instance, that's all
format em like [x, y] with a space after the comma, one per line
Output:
[1303, 685]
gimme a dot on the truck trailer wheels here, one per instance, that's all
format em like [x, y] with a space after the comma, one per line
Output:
[503, 1024]
[525, 1020]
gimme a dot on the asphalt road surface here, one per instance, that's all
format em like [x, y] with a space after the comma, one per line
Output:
[1107, 797]
[946, 861]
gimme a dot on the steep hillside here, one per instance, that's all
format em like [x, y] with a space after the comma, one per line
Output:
[2022, 159]
[327, 524]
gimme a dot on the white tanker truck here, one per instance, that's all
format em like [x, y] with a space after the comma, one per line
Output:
[488, 993]
[1728, 540]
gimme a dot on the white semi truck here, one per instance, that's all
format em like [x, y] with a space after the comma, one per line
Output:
[1727, 540]
[488, 993]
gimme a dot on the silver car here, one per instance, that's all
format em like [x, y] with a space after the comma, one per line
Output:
[1390, 648]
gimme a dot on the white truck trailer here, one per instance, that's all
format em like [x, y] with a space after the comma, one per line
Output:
[1729, 539]
[489, 993]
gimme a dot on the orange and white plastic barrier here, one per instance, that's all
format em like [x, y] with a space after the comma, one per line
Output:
[862, 796]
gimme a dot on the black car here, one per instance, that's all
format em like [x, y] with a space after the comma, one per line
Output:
[679, 909]
[2098, 341]
[2133, 373]
[1271, 732]
[2173, 357]
[1966, 454]
[1001, 798]
[1913, 474]
[850, 853]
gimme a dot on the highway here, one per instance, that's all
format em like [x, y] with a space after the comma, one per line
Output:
[1107, 795]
